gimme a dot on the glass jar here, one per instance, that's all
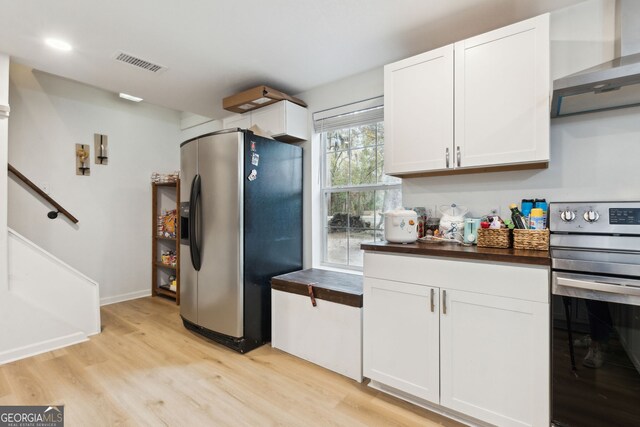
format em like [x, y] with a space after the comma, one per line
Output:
[431, 227]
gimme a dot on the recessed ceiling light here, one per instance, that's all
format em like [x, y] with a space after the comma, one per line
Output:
[58, 44]
[130, 97]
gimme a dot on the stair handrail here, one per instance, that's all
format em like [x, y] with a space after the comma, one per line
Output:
[42, 194]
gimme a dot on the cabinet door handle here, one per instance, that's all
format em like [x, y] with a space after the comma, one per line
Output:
[433, 304]
[194, 219]
[447, 156]
[444, 302]
[458, 155]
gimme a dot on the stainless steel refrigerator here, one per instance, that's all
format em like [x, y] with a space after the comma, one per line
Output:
[241, 224]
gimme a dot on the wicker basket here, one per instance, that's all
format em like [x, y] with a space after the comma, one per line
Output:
[531, 239]
[494, 238]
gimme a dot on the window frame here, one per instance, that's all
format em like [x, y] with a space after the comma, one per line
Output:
[326, 190]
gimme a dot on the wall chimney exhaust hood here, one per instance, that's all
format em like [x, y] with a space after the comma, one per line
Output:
[614, 84]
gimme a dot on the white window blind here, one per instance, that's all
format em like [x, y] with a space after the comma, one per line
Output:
[354, 188]
[358, 113]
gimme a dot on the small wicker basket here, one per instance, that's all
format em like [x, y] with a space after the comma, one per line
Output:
[531, 239]
[494, 238]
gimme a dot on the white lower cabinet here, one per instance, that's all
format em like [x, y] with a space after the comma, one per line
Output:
[494, 358]
[462, 345]
[402, 327]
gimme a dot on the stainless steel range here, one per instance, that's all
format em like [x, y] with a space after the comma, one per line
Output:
[595, 252]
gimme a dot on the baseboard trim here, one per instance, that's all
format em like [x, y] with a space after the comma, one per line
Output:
[41, 347]
[124, 297]
[440, 410]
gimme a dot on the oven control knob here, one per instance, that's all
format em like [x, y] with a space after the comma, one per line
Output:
[568, 215]
[591, 216]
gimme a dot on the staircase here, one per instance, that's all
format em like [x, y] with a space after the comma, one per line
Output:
[49, 304]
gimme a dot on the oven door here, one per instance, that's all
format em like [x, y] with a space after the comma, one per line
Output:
[595, 350]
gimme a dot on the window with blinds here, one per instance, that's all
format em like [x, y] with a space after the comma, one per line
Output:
[355, 190]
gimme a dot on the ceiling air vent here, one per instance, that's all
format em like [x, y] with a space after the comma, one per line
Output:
[138, 62]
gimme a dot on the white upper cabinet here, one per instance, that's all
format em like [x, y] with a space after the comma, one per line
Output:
[481, 102]
[502, 95]
[242, 121]
[284, 120]
[419, 112]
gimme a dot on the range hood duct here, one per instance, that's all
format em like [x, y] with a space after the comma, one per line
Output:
[614, 84]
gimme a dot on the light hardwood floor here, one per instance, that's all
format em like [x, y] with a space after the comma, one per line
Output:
[145, 368]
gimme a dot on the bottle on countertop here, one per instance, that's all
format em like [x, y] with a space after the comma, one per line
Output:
[536, 222]
[516, 217]
[525, 207]
[542, 204]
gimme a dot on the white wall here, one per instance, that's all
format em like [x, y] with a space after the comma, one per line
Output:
[193, 125]
[4, 123]
[112, 242]
[346, 91]
[82, 311]
[594, 157]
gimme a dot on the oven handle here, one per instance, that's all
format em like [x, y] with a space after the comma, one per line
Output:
[609, 287]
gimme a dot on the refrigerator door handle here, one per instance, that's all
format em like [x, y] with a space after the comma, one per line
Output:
[194, 201]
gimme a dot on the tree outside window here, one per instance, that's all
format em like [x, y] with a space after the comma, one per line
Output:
[356, 191]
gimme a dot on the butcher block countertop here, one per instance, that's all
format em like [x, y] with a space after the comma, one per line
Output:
[451, 250]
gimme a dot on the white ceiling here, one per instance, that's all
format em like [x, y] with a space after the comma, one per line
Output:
[214, 48]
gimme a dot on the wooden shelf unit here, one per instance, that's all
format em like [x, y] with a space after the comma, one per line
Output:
[169, 190]
[166, 292]
[162, 265]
